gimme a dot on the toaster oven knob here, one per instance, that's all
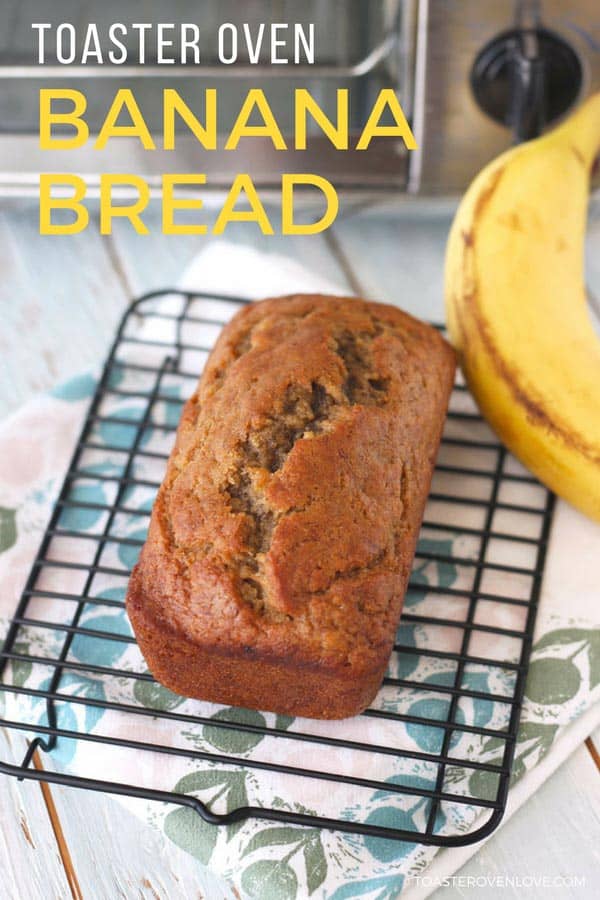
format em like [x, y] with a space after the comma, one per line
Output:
[525, 79]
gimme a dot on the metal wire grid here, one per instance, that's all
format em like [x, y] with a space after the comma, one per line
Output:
[476, 486]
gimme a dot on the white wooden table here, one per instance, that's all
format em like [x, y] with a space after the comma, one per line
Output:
[60, 300]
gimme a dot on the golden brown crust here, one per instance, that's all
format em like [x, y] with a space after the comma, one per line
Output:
[281, 539]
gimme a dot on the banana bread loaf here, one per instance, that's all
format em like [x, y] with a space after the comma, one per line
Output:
[282, 537]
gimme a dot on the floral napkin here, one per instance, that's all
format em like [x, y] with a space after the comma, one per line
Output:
[270, 860]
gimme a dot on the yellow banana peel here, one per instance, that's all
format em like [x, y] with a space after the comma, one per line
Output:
[516, 305]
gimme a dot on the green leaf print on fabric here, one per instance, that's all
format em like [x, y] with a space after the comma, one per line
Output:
[595, 659]
[563, 636]
[155, 696]
[21, 668]
[583, 641]
[539, 732]
[283, 722]
[494, 743]
[316, 864]
[8, 528]
[272, 837]
[552, 680]
[533, 743]
[270, 880]
[483, 785]
[186, 828]
[229, 785]
[230, 740]
[255, 878]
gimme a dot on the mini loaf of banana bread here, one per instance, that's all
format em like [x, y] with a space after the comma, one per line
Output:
[282, 537]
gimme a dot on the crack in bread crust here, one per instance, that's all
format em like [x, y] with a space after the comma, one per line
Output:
[301, 412]
[363, 384]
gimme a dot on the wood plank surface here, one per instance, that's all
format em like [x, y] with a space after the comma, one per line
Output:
[397, 259]
[115, 855]
[60, 301]
[31, 867]
[155, 260]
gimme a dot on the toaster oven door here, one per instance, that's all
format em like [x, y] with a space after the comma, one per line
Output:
[360, 46]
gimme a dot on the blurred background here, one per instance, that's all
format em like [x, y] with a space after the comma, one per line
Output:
[471, 77]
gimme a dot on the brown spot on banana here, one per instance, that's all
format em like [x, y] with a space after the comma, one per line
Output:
[512, 221]
[579, 155]
[536, 412]
[485, 196]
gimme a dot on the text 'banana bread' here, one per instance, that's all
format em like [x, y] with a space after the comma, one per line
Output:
[282, 537]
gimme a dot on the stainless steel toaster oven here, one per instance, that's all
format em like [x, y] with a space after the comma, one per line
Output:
[471, 77]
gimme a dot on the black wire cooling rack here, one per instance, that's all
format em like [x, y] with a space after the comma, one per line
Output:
[450, 704]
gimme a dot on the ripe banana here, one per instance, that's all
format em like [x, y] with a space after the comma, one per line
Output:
[516, 305]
